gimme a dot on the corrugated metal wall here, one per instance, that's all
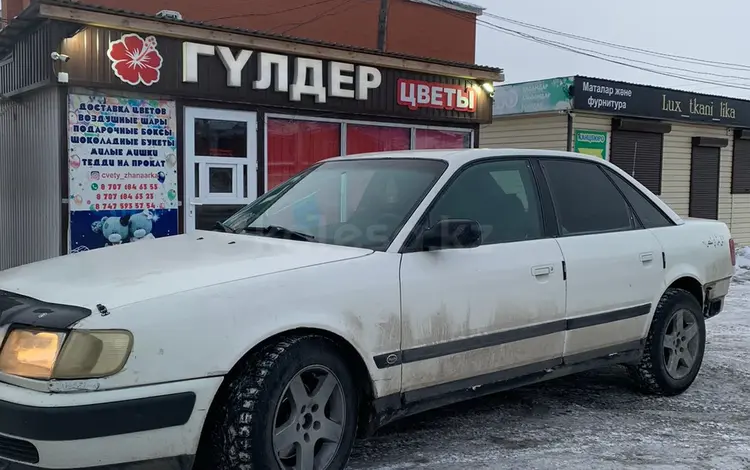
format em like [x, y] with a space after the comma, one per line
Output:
[30, 193]
[545, 132]
[30, 63]
[592, 122]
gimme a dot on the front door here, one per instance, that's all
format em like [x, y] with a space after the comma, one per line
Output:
[495, 311]
[220, 164]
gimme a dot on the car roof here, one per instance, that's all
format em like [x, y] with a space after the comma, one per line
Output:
[461, 156]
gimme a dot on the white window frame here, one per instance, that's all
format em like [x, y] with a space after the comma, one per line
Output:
[342, 130]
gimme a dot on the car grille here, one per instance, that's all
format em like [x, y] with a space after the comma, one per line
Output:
[17, 449]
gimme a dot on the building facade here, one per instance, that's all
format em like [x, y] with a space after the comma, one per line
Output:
[693, 150]
[139, 127]
[440, 29]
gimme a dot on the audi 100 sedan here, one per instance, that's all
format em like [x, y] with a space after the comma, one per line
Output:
[360, 291]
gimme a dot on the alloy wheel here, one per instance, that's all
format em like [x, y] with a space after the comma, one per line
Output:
[309, 420]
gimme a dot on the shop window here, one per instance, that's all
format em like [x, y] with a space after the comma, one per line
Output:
[294, 145]
[364, 139]
[594, 207]
[220, 138]
[639, 154]
[439, 139]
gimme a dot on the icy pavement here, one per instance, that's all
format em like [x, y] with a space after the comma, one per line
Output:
[593, 421]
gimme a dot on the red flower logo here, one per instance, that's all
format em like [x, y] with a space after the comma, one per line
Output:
[135, 60]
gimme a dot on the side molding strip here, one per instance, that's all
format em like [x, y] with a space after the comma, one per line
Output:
[448, 348]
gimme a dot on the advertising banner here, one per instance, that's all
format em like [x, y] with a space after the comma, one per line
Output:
[539, 96]
[592, 143]
[122, 167]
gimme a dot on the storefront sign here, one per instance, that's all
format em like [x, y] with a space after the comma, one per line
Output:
[172, 67]
[307, 76]
[592, 143]
[533, 97]
[416, 94]
[604, 96]
[122, 169]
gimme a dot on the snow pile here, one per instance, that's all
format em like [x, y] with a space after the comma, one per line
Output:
[742, 268]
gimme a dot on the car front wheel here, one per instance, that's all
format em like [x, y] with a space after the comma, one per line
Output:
[294, 406]
[675, 345]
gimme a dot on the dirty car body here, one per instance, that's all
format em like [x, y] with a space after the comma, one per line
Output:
[427, 277]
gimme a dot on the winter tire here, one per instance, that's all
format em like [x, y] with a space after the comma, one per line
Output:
[293, 406]
[674, 348]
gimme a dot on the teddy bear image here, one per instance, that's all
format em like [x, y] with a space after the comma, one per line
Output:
[114, 229]
[140, 226]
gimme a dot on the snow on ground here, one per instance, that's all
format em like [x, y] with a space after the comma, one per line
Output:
[593, 421]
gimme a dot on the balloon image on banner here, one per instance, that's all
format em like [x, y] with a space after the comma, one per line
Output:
[122, 167]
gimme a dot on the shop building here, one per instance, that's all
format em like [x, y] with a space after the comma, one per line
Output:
[691, 149]
[115, 127]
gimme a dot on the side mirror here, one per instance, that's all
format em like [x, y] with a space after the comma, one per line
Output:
[452, 233]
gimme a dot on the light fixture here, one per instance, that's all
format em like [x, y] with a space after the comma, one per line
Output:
[489, 87]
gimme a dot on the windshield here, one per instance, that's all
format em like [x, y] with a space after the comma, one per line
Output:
[359, 203]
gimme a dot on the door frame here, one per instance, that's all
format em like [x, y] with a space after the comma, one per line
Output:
[249, 177]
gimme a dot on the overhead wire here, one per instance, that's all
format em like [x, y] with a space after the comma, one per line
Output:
[618, 60]
[273, 13]
[673, 57]
[325, 13]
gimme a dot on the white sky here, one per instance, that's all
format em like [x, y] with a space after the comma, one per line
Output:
[717, 30]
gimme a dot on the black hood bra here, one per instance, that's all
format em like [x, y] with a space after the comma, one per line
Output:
[23, 310]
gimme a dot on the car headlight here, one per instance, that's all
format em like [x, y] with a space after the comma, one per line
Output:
[79, 354]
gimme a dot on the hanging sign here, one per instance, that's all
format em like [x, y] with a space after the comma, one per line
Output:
[122, 167]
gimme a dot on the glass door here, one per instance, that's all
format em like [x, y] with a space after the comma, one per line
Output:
[220, 164]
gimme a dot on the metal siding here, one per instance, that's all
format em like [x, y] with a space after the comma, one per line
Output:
[30, 214]
[704, 182]
[542, 132]
[592, 122]
[31, 63]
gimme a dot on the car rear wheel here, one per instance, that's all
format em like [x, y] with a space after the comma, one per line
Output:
[294, 406]
[675, 345]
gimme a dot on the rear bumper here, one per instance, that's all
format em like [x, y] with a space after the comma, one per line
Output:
[140, 428]
[714, 294]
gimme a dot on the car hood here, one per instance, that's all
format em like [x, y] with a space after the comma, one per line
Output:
[134, 272]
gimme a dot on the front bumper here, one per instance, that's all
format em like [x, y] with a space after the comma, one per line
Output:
[149, 427]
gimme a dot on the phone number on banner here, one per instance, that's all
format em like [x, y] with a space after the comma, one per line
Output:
[111, 206]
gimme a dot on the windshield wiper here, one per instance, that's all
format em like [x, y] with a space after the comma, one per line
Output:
[223, 227]
[277, 231]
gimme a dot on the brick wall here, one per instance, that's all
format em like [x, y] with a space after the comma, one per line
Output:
[413, 28]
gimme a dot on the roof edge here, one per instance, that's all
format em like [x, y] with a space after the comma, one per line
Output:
[74, 12]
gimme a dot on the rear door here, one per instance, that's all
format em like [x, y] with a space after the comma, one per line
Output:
[613, 266]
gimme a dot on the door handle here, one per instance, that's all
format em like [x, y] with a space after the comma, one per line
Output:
[196, 203]
[647, 257]
[538, 271]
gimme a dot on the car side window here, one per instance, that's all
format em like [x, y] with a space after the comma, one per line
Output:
[500, 195]
[648, 213]
[585, 200]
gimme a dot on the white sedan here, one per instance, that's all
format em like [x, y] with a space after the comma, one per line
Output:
[362, 290]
